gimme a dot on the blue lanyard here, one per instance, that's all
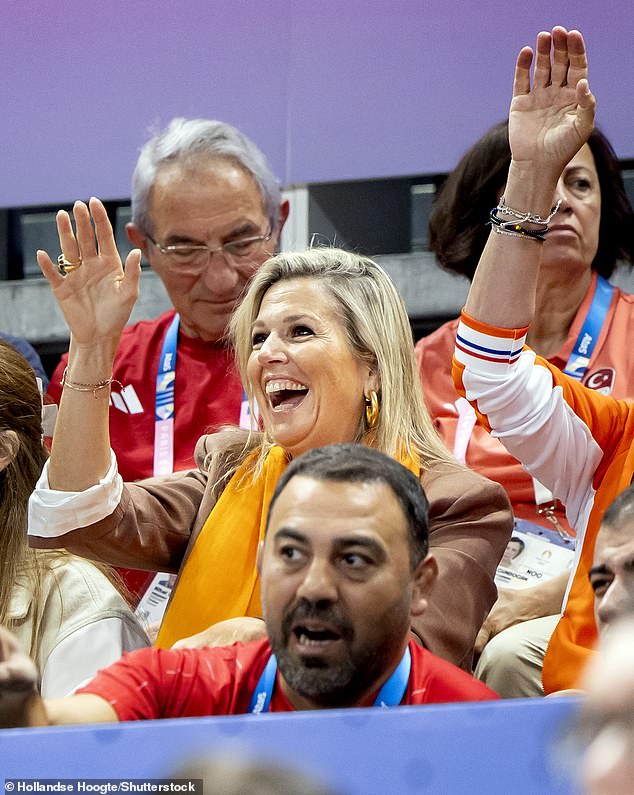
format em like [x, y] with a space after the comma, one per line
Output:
[579, 360]
[164, 408]
[390, 695]
[164, 403]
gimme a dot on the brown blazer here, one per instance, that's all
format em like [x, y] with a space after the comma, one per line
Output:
[158, 520]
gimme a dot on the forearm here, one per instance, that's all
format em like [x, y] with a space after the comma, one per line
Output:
[503, 290]
[80, 455]
[543, 600]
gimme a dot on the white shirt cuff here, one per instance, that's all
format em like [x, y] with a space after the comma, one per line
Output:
[54, 513]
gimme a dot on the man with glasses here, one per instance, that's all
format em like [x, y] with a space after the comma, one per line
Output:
[206, 212]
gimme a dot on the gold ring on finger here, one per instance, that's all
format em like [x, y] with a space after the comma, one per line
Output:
[65, 266]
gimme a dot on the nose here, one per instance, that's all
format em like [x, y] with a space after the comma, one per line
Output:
[561, 194]
[272, 349]
[220, 275]
[319, 582]
[614, 603]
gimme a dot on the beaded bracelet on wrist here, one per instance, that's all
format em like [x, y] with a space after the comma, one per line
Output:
[515, 228]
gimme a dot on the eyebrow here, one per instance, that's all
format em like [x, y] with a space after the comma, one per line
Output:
[287, 319]
[573, 169]
[286, 532]
[175, 240]
[244, 228]
[600, 569]
[365, 542]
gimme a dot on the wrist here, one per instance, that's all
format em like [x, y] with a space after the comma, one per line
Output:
[91, 363]
[531, 188]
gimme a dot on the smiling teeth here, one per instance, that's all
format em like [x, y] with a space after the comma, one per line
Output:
[279, 386]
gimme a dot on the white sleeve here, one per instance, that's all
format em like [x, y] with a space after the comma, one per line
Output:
[54, 513]
[78, 657]
[530, 416]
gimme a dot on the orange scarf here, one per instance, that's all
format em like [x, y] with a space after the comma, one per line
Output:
[219, 579]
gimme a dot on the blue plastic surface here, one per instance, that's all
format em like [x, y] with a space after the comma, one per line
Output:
[489, 747]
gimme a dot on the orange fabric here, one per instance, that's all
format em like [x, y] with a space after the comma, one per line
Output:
[219, 579]
[613, 357]
[575, 635]
[611, 424]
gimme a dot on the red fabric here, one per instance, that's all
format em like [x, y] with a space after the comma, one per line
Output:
[208, 394]
[611, 371]
[172, 683]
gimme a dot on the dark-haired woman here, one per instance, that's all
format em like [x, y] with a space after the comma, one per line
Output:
[581, 326]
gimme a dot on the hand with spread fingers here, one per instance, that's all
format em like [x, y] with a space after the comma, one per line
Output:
[96, 295]
[94, 292]
[551, 119]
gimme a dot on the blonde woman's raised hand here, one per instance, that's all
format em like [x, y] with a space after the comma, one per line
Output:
[97, 297]
[550, 119]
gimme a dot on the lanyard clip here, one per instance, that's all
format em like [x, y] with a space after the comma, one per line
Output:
[547, 510]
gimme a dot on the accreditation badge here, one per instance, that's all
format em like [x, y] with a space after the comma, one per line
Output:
[534, 555]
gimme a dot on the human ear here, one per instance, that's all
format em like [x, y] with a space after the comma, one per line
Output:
[9, 446]
[137, 238]
[282, 216]
[258, 558]
[373, 381]
[425, 577]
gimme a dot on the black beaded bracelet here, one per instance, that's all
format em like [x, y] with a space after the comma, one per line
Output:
[515, 228]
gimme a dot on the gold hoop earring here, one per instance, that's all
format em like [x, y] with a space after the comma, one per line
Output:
[372, 409]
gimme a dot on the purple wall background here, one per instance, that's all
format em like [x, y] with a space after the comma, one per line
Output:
[330, 89]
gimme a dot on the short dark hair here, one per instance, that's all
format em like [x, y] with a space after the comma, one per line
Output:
[519, 541]
[457, 226]
[355, 463]
[617, 510]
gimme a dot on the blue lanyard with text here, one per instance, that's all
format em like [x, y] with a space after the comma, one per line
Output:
[165, 410]
[164, 403]
[390, 695]
[579, 360]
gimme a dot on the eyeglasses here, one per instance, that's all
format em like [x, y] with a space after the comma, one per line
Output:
[198, 255]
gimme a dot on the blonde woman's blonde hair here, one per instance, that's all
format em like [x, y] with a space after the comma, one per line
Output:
[376, 323]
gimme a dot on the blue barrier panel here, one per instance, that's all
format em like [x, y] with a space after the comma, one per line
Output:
[488, 747]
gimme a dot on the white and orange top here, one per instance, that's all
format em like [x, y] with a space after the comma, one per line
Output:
[575, 440]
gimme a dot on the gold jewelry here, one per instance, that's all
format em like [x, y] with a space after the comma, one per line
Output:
[77, 386]
[65, 266]
[372, 409]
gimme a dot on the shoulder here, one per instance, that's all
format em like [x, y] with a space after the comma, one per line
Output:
[436, 681]
[446, 484]
[211, 446]
[78, 608]
[79, 593]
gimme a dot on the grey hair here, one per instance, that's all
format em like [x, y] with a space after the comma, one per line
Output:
[376, 323]
[190, 140]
